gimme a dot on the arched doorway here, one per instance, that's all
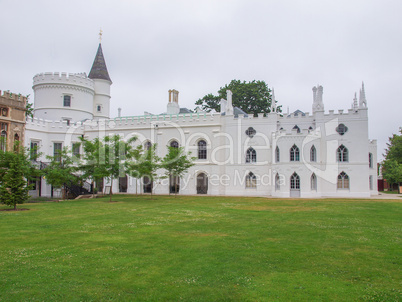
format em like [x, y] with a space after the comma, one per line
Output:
[174, 184]
[295, 185]
[123, 184]
[148, 184]
[202, 183]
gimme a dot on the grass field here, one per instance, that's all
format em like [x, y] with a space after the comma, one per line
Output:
[202, 249]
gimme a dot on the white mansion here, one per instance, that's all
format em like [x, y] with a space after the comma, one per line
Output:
[292, 155]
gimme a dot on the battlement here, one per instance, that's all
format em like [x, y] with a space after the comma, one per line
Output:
[79, 79]
[48, 125]
[12, 96]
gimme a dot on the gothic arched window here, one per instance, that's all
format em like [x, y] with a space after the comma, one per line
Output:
[313, 182]
[202, 149]
[343, 181]
[342, 154]
[296, 128]
[148, 145]
[251, 180]
[251, 155]
[294, 153]
[313, 154]
[277, 182]
[174, 144]
[295, 181]
[370, 160]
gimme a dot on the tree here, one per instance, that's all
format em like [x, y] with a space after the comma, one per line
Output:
[29, 108]
[150, 164]
[60, 171]
[392, 165]
[15, 169]
[176, 163]
[252, 97]
[92, 163]
[106, 158]
[133, 167]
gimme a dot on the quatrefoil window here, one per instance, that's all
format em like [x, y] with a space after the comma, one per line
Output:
[341, 129]
[250, 132]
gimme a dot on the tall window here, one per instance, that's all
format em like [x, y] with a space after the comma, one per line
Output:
[16, 142]
[371, 182]
[251, 156]
[202, 149]
[33, 151]
[370, 160]
[313, 181]
[57, 151]
[67, 101]
[343, 181]
[277, 154]
[251, 180]
[174, 144]
[313, 154]
[342, 154]
[76, 149]
[148, 145]
[295, 181]
[277, 182]
[294, 153]
[3, 140]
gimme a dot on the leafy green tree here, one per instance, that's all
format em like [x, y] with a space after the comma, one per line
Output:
[15, 169]
[133, 167]
[29, 108]
[150, 164]
[252, 97]
[92, 163]
[61, 170]
[106, 158]
[176, 163]
[392, 165]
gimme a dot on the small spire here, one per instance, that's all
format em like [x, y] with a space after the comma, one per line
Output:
[362, 97]
[99, 69]
[354, 104]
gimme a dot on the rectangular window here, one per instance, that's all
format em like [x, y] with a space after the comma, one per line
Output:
[33, 151]
[371, 182]
[99, 108]
[57, 151]
[67, 101]
[76, 149]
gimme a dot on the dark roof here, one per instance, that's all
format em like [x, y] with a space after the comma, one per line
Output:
[297, 112]
[99, 69]
[236, 112]
[185, 110]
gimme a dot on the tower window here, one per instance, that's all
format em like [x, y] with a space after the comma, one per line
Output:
[99, 108]
[67, 101]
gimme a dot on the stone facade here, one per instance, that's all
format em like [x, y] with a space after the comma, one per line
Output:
[12, 119]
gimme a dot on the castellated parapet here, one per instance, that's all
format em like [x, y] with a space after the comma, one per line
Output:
[76, 79]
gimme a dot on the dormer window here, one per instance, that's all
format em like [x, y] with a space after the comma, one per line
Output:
[67, 101]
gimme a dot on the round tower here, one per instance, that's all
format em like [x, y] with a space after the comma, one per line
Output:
[63, 96]
[102, 83]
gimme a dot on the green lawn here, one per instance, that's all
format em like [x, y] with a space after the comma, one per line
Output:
[202, 249]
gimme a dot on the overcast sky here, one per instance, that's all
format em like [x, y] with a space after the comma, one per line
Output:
[198, 46]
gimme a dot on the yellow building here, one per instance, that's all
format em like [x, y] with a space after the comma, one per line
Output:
[12, 119]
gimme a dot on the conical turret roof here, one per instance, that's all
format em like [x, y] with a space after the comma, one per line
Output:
[99, 69]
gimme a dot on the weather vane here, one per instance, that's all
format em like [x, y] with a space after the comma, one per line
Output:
[100, 35]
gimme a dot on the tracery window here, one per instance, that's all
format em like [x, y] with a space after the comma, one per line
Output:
[251, 180]
[341, 129]
[294, 153]
[251, 155]
[250, 132]
[343, 181]
[295, 181]
[342, 154]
